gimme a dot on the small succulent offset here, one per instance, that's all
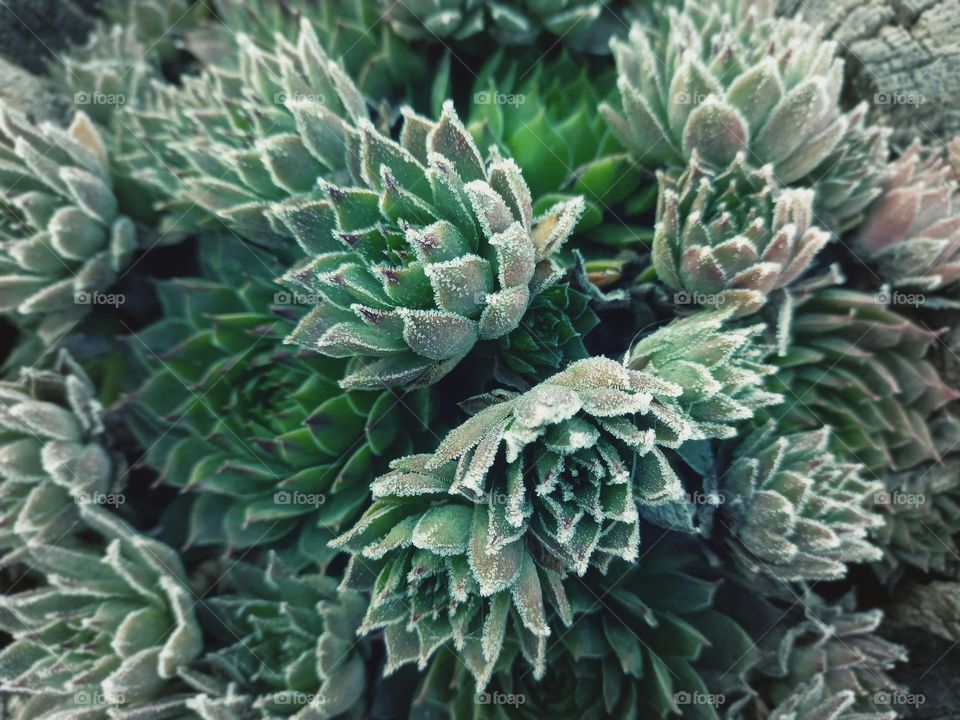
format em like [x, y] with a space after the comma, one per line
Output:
[62, 236]
[289, 644]
[52, 455]
[478, 359]
[733, 237]
[851, 362]
[912, 231]
[111, 628]
[435, 253]
[792, 510]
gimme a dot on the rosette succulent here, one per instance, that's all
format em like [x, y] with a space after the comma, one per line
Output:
[214, 363]
[583, 453]
[52, 455]
[351, 30]
[921, 510]
[792, 510]
[437, 252]
[108, 631]
[289, 646]
[62, 237]
[733, 237]
[851, 362]
[233, 141]
[728, 78]
[835, 643]
[912, 231]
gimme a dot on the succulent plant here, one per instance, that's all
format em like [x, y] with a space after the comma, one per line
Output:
[835, 643]
[543, 115]
[815, 701]
[382, 65]
[921, 510]
[437, 252]
[288, 645]
[849, 361]
[270, 447]
[792, 510]
[159, 25]
[640, 652]
[111, 69]
[593, 437]
[729, 78]
[733, 237]
[235, 140]
[108, 630]
[912, 231]
[550, 336]
[517, 23]
[52, 455]
[62, 237]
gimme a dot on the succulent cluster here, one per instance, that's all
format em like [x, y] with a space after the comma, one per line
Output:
[546, 359]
